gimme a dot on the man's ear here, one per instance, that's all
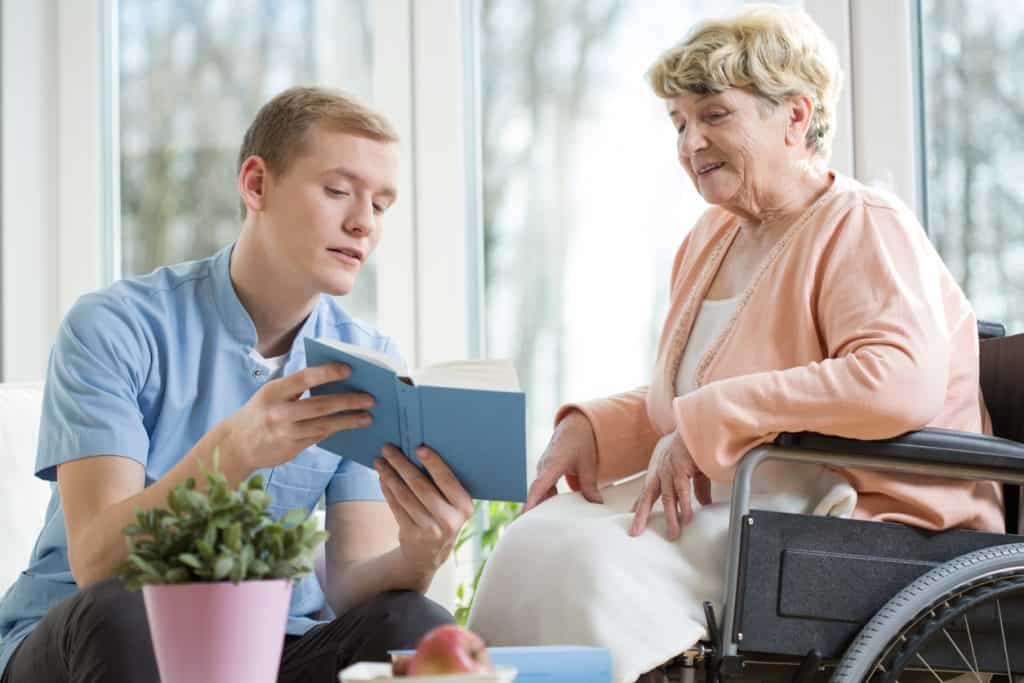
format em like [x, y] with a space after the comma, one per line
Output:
[798, 119]
[252, 179]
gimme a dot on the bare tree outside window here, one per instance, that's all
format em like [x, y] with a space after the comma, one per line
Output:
[192, 76]
[974, 115]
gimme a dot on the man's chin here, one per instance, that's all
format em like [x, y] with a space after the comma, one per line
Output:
[338, 288]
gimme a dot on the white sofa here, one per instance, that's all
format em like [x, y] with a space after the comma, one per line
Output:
[23, 497]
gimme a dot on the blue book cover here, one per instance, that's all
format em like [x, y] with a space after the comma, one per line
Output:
[480, 433]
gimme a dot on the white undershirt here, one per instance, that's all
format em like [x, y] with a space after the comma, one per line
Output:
[712, 318]
[274, 366]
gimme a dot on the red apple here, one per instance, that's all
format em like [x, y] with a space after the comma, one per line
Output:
[450, 650]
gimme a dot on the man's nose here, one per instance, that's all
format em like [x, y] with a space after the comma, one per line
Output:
[361, 220]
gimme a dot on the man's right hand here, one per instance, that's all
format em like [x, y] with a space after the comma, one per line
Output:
[571, 451]
[276, 424]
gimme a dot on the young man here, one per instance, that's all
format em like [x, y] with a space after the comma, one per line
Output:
[149, 375]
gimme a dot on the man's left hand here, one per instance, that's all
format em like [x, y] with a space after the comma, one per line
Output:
[430, 511]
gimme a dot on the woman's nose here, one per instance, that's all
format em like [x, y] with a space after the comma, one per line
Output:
[691, 141]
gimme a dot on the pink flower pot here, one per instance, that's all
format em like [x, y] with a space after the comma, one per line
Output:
[217, 632]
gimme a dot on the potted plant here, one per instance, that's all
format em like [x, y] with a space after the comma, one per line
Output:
[216, 572]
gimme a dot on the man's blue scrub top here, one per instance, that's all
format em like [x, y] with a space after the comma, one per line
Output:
[143, 369]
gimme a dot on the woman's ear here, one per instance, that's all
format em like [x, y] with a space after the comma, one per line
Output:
[252, 178]
[799, 111]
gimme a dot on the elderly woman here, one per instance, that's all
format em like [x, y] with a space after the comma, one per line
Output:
[801, 300]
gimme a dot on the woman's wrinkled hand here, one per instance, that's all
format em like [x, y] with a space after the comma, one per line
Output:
[669, 475]
[572, 451]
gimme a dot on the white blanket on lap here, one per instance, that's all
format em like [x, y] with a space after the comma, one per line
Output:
[568, 573]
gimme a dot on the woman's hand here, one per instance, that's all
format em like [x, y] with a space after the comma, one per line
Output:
[573, 451]
[669, 475]
[430, 511]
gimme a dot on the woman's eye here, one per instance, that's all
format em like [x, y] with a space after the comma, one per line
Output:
[681, 128]
[336, 193]
[377, 208]
[716, 115]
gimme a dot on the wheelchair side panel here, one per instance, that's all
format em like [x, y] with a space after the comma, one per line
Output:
[810, 583]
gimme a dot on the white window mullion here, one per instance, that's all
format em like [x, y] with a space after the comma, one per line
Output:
[834, 18]
[885, 130]
[396, 257]
[81, 225]
[29, 158]
[442, 247]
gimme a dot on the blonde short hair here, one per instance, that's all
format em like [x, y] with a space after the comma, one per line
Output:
[278, 133]
[772, 51]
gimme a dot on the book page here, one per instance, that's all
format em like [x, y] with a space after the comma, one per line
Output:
[495, 375]
[378, 358]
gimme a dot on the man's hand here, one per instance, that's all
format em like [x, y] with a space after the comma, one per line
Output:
[277, 423]
[571, 451]
[430, 510]
[669, 475]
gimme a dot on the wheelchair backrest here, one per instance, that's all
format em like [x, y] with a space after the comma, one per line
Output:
[1002, 385]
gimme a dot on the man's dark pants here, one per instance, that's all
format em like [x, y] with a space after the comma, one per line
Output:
[100, 634]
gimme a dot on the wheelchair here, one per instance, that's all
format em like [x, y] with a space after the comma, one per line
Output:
[818, 598]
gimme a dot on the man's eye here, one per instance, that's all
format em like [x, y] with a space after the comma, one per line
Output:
[681, 128]
[336, 193]
[716, 115]
[377, 208]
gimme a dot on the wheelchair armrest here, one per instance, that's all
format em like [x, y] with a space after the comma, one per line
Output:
[990, 330]
[928, 446]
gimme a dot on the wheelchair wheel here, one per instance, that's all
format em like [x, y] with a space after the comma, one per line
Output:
[965, 616]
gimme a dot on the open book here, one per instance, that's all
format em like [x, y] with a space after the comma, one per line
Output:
[471, 412]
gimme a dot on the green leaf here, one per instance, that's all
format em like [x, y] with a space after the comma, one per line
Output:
[177, 575]
[294, 516]
[233, 537]
[223, 567]
[236, 571]
[210, 534]
[143, 564]
[191, 560]
[205, 549]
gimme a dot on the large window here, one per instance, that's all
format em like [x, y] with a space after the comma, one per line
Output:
[973, 97]
[192, 76]
[584, 201]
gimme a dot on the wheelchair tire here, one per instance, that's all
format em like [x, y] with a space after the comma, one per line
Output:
[890, 637]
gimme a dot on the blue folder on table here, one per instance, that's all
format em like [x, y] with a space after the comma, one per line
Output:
[479, 433]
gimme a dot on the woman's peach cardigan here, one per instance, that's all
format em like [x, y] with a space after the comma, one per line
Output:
[851, 326]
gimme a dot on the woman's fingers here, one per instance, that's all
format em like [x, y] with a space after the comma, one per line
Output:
[702, 488]
[643, 506]
[682, 485]
[586, 471]
[543, 487]
[669, 502]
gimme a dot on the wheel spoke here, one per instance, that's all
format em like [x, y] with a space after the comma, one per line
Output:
[956, 647]
[1002, 632]
[929, 667]
[970, 640]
